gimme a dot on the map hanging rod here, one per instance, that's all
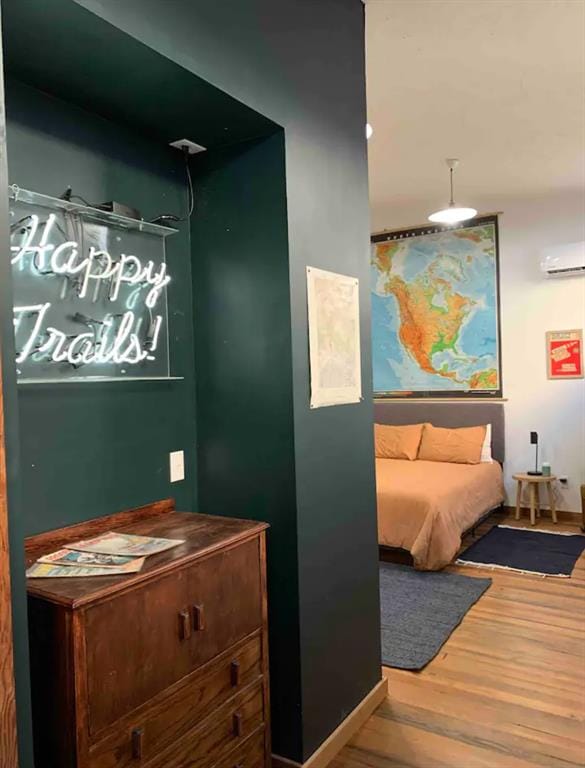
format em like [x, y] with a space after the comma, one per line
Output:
[434, 228]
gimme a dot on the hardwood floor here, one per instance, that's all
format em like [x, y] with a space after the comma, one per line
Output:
[507, 690]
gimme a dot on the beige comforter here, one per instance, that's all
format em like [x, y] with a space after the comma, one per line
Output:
[425, 506]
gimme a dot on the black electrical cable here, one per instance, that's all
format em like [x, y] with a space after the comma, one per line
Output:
[190, 181]
[68, 196]
[166, 218]
[16, 225]
[83, 200]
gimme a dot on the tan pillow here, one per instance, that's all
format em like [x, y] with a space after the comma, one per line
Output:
[459, 446]
[397, 442]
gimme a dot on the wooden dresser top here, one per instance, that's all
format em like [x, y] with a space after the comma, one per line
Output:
[203, 535]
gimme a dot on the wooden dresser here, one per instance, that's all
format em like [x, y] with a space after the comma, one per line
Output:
[166, 667]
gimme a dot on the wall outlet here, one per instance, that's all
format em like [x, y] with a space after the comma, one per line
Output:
[563, 480]
[177, 466]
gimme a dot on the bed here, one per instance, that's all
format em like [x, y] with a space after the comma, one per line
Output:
[425, 507]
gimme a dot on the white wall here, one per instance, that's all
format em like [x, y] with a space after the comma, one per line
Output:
[530, 306]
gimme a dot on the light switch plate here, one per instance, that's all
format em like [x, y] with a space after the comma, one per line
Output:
[177, 466]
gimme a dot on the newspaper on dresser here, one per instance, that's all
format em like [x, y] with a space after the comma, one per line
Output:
[116, 543]
[52, 571]
[110, 554]
[116, 563]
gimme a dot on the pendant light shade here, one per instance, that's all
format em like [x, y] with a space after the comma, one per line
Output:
[452, 214]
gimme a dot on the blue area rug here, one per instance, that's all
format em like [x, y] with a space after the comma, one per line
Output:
[526, 550]
[420, 609]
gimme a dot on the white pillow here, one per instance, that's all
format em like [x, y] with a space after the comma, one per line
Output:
[486, 448]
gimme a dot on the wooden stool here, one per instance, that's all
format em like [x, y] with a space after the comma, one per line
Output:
[535, 481]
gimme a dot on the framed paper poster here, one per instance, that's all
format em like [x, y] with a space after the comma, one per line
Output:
[334, 338]
[564, 353]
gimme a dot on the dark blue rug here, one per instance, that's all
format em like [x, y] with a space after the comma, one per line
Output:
[526, 550]
[419, 610]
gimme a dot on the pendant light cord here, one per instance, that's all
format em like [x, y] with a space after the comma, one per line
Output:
[451, 201]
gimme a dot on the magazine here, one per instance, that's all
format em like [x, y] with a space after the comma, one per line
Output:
[48, 571]
[121, 564]
[114, 543]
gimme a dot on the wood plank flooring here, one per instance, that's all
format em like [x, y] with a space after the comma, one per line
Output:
[507, 690]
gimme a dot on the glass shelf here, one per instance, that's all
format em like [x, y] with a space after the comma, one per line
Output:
[97, 380]
[86, 212]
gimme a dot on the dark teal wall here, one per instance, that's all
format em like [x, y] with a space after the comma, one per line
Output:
[90, 449]
[81, 451]
[244, 382]
[301, 63]
[12, 445]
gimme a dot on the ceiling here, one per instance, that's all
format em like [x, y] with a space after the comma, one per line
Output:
[499, 84]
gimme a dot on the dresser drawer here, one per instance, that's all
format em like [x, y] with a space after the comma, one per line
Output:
[250, 754]
[151, 729]
[224, 731]
[143, 641]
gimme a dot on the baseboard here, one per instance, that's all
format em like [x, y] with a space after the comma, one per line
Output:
[344, 732]
[563, 515]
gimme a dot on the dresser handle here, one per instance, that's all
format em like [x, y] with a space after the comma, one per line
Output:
[184, 625]
[238, 724]
[198, 618]
[137, 741]
[235, 672]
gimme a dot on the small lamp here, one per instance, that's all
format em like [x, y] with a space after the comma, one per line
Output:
[534, 442]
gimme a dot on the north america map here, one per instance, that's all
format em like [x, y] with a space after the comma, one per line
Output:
[435, 311]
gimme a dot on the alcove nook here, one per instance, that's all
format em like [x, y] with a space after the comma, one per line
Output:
[91, 108]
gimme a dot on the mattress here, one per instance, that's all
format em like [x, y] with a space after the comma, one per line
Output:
[425, 506]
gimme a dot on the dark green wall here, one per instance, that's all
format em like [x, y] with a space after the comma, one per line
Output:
[12, 445]
[301, 63]
[90, 449]
[310, 473]
[244, 382]
[82, 451]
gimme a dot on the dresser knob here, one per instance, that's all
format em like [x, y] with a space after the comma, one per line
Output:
[198, 618]
[137, 742]
[238, 724]
[235, 672]
[184, 625]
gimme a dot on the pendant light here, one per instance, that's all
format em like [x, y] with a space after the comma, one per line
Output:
[453, 213]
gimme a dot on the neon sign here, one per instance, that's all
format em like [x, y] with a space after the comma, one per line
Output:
[90, 292]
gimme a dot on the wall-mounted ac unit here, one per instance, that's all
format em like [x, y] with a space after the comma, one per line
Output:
[564, 260]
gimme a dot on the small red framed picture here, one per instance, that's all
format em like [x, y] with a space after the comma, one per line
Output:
[564, 353]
